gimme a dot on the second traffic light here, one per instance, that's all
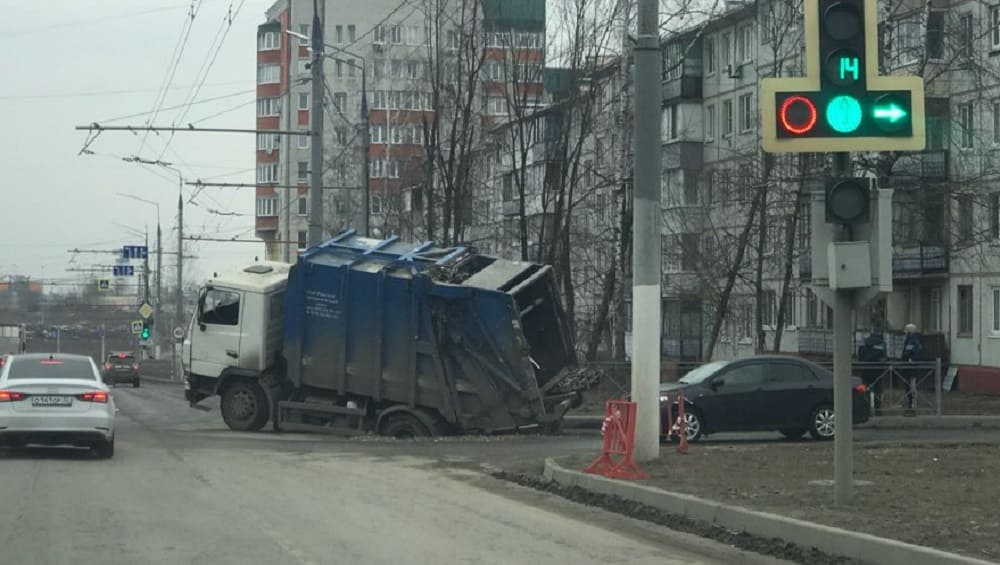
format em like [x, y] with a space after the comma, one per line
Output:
[842, 104]
[147, 326]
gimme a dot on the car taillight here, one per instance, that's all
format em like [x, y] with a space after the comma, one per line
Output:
[10, 396]
[861, 389]
[135, 366]
[96, 396]
[107, 366]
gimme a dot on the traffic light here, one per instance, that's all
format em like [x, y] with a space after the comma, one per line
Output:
[146, 329]
[847, 201]
[842, 104]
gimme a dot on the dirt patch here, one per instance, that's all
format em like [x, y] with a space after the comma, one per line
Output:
[764, 546]
[964, 404]
[947, 497]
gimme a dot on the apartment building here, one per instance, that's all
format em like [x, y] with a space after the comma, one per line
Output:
[393, 75]
[946, 237]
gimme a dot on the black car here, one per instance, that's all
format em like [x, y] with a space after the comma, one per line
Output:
[121, 367]
[763, 393]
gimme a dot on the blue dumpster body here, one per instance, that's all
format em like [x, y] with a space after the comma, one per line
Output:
[467, 342]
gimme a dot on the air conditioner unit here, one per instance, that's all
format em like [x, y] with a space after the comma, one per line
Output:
[378, 45]
[734, 71]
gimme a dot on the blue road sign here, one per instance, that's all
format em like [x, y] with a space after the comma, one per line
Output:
[123, 270]
[135, 251]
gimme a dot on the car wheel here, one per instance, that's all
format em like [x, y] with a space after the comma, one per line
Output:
[822, 423]
[244, 406]
[793, 433]
[105, 449]
[693, 426]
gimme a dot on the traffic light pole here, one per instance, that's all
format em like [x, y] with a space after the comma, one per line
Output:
[646, 236]
[843, 455]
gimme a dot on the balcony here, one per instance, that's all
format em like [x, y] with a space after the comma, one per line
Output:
[266, 223]
[926, 165]
[914, 261]
[685, 87]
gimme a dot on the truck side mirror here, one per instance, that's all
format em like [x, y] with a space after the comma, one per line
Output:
[201, 307]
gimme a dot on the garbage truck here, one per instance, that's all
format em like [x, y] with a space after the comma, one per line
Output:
[382, 336]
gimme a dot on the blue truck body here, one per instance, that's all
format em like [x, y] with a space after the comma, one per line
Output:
[462, 341]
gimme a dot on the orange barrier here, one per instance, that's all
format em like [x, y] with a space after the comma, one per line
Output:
[619, 440]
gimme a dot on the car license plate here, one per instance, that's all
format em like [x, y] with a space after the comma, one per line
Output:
[51, 400]
[121, 366]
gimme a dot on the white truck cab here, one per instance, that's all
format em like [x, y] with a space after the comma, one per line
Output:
[237, 327]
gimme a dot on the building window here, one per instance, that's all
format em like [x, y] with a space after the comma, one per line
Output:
[746, 112]
[303, 240]
[930, 309]
[268, 107]
[339, 34]
[727, 49]
[690, 189]
[727, 118]
[805, 225]
[965, 37]
[965, 310]
[303, 171]
[996, 310]
[965, 124]
[380, 34]
[303, 101]
[304, 30]
[812, 309]
[352, 33]
[268, 141]
[268, 41]
[996, 122]
[303, 205]
[995, 215]
[689, 251]
[267, 173]
[376, 204]
[710, 122]
[339, 66]
[907, 40]
[267, 206]
[965, 218]
[377, 133]
[395, 35]
[341, 135]
[303, 142]
[670, 122]
[935, 35]
[452, 41]
[708, 52]
[744, 44]
[268, 74]
[496, 106]
[340, 101]
[769, 301]
[995, 27]
[673, 61]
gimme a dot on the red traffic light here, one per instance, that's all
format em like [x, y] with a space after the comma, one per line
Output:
[798, 114]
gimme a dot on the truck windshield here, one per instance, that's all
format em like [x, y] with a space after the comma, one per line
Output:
[221, 307]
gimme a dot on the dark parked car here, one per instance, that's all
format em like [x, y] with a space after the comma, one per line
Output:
[764, 393]
[121, 367]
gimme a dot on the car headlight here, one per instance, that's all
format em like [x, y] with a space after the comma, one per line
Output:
[664, 398]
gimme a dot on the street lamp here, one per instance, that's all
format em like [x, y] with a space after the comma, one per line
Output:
[366, 141]
[159, 255]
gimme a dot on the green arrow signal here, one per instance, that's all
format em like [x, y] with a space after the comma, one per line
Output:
[891, 112]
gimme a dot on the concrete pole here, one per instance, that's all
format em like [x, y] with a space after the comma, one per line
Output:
[159, 287]
[646, 252]
[843, 345]
[366, 142]
[316, 125]
[179, 291]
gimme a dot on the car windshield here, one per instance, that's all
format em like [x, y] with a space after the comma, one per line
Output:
[701, 373]
[73, 368]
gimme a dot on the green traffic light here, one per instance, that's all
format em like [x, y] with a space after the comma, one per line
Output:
[890, 112]
[843, 114]
[145, 333]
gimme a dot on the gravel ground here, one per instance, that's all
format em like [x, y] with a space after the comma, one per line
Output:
[945, 497]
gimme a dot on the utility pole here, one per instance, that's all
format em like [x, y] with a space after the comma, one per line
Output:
[843, 350]
[366, 149]
[316, 160]
[157, 330]
[179, 291]
[646, 252]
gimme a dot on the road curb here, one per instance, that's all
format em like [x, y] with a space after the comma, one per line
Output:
[932, 422]
[836, 541]
[160, 380]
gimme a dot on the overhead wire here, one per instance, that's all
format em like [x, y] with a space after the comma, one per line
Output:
[172, 68]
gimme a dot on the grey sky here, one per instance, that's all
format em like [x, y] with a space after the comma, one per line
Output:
[52, 199]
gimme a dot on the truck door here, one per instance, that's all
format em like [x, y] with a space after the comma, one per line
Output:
[215, 339]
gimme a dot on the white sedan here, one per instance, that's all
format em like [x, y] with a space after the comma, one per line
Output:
[56, 399]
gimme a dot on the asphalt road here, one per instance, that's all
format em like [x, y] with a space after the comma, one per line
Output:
[184, 490]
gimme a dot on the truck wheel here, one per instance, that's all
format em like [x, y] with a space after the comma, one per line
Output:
[244, 406]
[404, 426]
